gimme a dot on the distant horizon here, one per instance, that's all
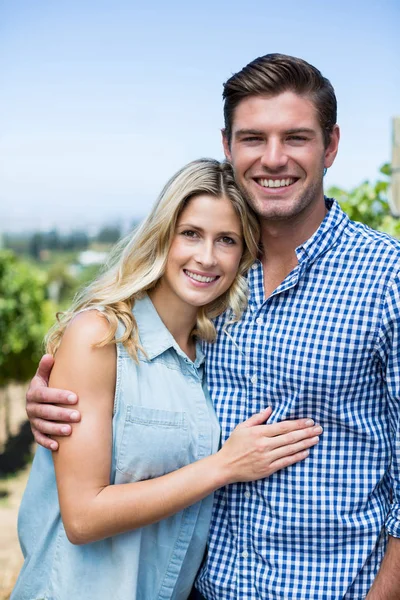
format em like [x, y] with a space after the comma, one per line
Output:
[125, 223]
[91, 230]
[101, 104]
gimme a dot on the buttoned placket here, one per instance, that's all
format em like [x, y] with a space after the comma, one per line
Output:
[263, 318]
[194, 376]
[192, 372]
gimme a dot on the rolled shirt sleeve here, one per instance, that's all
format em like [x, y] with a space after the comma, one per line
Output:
[389, 351]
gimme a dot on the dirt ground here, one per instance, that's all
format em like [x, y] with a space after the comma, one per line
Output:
[11, 490]
[10, 553]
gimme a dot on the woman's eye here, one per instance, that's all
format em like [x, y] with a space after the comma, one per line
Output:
[189, 233]
[227, 240]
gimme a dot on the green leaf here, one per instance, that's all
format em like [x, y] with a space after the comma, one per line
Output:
[24, 317]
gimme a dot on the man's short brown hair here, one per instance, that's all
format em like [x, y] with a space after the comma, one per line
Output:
[274, 74]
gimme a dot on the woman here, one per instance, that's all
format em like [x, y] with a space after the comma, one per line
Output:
[125, 510]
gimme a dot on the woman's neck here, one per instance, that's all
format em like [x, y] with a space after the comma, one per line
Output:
[178, 317]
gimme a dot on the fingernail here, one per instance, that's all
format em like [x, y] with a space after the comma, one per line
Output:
[265, 409]
[65, 429]
[74, 416]
[309, 422]
[318, 429]
[53, 446]
[306, 452]
[71, 398]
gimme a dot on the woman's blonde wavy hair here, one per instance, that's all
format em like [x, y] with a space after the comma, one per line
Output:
[139, 261]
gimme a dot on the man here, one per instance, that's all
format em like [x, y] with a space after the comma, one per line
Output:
[321, 338]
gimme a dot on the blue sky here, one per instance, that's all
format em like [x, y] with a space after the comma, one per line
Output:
[102, 101]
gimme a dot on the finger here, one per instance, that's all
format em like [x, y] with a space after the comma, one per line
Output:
[52, 413]
[287, 461]
[50, 395]
[45, 366]
[287, 439]
[295, 448]
[44, 441]
[50, 428]
[258, 418]
[287, 426]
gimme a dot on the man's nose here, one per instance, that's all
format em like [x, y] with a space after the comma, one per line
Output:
[274, 155]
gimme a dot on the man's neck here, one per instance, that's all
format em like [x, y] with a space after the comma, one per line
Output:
[280, 240]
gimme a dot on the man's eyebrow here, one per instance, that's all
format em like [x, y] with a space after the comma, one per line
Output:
[293, 130]
[300, 130]
[240, 132]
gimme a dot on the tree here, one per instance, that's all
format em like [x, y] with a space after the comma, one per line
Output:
[109, 234]
[25, 315]
[368, 203]
[36, 245]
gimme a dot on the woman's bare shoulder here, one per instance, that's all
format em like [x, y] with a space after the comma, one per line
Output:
[78, 358]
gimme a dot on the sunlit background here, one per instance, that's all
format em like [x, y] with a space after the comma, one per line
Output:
[101, 102]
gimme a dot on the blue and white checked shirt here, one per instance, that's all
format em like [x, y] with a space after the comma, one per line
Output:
[324, 345]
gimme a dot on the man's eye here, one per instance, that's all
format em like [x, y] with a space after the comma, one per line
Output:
[297, 138]
[251, 139]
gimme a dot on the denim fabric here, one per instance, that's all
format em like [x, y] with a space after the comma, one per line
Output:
[163, 420]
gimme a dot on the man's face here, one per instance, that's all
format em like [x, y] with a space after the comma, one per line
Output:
[278, 154]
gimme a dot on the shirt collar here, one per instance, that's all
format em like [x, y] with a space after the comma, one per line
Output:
[155, 338]
[326, 235]
[329, 231]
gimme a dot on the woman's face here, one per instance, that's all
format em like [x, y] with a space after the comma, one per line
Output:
[205, 252]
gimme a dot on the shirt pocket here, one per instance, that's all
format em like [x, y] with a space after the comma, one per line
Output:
[154, 442]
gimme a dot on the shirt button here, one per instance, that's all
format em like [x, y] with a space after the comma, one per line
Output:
[259, 320]
[245, 554]
[253, 379]
[247, 494]
[254, 266]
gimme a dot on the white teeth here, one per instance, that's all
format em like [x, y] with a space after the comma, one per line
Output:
[200, 278]
[275, 183]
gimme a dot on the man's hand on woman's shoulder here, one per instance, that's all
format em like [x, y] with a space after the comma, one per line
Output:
[44, 414]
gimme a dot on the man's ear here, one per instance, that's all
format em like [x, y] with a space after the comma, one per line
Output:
[333, 146]
[226, 145]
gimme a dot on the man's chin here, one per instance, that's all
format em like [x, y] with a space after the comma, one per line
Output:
[276, 209]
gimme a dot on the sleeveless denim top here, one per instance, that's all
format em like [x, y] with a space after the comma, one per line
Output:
[163, 420]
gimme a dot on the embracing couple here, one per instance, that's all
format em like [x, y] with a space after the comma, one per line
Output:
[245, 277]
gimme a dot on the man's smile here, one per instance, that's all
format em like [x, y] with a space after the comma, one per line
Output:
[275, 183]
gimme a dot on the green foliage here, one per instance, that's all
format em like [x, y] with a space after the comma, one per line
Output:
[109, 234]
[25, 316]
[39, 244]
[66, 277]
[368, 203]
[62, 283]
